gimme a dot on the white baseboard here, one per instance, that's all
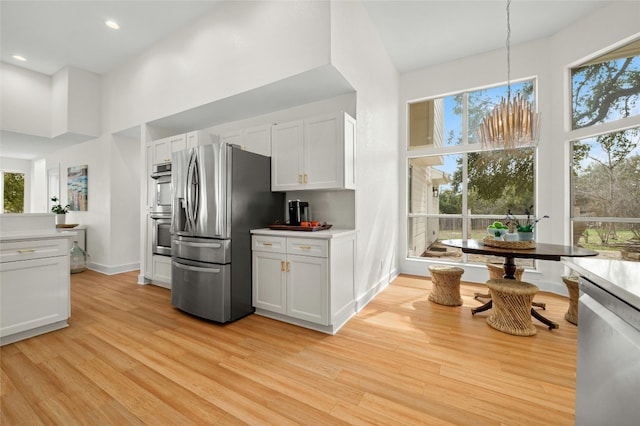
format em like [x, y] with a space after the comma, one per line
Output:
[369, 295]
[112, 270]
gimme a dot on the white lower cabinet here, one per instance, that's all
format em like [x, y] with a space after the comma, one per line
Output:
[161, 266]
[305, 281]
[35, 292]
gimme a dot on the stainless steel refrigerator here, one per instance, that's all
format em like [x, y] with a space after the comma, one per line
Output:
[220, 193]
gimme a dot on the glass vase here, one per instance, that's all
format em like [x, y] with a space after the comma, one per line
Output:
[78, 258]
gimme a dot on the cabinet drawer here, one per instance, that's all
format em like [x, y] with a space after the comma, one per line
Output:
[307, 247]
[268, 243]
[35, 249]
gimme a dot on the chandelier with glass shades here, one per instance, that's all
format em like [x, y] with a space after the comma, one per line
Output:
[513, 123]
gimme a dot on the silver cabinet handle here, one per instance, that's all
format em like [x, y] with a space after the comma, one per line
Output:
[195, 268]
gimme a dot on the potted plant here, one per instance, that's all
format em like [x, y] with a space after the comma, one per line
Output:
[525, 229]
[60, 211]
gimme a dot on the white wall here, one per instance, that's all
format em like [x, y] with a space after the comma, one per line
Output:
[113, 182]
[358, 53]
[549, 60]
[240, 46]
[75, 103]
[38, 192]
[25, 99]
[125, 204]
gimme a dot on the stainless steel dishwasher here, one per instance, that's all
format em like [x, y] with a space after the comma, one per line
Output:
[608, 366]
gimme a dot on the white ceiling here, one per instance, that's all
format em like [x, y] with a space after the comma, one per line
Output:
[53, 34]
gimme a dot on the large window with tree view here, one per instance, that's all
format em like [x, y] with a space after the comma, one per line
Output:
[456, 189]
[605, 178]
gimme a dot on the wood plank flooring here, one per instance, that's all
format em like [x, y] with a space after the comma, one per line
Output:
[129, 358]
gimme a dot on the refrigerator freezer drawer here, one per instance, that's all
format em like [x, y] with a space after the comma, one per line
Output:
[202, 249]
[202, 291]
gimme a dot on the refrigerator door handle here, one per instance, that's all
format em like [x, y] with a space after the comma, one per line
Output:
[195, 182]
[200, 245]
[189, 208]
[196, 268]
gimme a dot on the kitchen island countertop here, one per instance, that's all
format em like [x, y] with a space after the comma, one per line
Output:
[618, 277]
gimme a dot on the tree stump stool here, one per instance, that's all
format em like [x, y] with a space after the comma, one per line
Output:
[445, 288]
[572, 285]
[511, 312]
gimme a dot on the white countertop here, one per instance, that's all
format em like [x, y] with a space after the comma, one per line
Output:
[326, 234]
[35, 234]
[619, 277]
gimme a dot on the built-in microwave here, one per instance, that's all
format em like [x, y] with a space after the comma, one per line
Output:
[162, 190]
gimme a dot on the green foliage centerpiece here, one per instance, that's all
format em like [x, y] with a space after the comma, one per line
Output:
[526, 228]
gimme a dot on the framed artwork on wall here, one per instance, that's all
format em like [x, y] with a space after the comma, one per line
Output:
[77, 188]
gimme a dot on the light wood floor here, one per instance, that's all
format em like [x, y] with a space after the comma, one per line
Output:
[128, 357]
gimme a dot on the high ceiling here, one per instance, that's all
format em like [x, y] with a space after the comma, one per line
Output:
[53, 34]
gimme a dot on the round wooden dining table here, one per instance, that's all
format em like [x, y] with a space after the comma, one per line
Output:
[541, 251]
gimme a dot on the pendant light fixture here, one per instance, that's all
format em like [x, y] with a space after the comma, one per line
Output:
[513, 123]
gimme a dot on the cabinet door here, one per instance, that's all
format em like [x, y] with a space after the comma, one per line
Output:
[308, 288]
[258, 140]
[35, 293]
[161, 270]
[177, 143]
[269, 281]
[286, 156]
[198, 138]
[193, 139]
[232, 138]
[323, 152]
[161, 151]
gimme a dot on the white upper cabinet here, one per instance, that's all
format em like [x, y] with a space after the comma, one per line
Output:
[198, 138]
[287, 156]
[232, 138]
[162, 148]
[315, 153]
[255, 139]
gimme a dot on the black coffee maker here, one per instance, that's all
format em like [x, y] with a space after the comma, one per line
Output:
[298, 212]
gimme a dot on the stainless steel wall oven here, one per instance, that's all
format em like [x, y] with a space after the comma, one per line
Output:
[161, 234]
[162, 196]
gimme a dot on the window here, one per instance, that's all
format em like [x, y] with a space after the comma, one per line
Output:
[605, 167]
[13, 192]
[606, 88]
[606, 194]
[455, 190]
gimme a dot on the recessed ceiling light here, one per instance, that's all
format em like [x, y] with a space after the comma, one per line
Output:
[19, 58]
[112, 24]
